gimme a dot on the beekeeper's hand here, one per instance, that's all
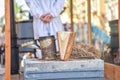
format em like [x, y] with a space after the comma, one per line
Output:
[46, 18]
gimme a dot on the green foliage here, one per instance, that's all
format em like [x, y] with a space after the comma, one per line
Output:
[2, 19]
[19, 15]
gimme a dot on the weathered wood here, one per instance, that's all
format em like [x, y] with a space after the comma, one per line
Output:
[71, 15]
[89, 21]
[7, 41]
[119, 24]
[85, 75]
[65, 42]
[109, 71]
[71, 79]
[112, 71]
[21, 77]
[64, 70]
[117, 72]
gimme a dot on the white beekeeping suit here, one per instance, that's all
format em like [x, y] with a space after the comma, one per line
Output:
[40, 7]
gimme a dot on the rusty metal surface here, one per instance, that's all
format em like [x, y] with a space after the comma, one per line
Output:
[48, 48]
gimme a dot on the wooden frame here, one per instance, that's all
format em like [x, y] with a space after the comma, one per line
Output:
[89, 21]
[7, 41]
[112, 72]
[71, 14]
[119, 25]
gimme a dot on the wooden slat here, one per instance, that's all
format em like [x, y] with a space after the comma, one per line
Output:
[117, 73]
[109, 71]
[7, 41]
[71, 15]
[65, 41]
[119, 24]
[112, 72]
[64, 70]
[89, 21]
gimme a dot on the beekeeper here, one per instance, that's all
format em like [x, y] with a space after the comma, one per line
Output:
[46, 18]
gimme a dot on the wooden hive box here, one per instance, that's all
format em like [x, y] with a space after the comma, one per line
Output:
[64, 70]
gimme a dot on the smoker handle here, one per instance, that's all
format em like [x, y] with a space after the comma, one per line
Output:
[37, 43]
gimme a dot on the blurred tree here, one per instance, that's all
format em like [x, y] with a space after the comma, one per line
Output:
[2, 23]
[19, 13]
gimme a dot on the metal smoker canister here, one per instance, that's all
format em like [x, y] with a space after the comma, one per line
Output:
[48, 47]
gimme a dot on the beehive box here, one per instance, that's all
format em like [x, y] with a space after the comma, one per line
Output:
[64, 70]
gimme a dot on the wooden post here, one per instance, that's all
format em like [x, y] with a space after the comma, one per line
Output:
[100, 7]
[119, 24]
[89, 21]
[101, 12]
[71, 13]
[7, 41]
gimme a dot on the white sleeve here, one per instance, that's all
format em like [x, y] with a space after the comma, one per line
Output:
[34, 8]
[57, 8]
[27, 1]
